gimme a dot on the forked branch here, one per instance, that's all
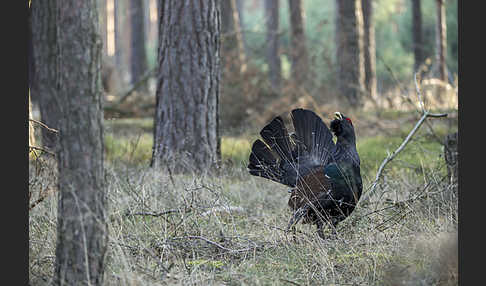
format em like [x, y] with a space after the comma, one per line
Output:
[425, 114]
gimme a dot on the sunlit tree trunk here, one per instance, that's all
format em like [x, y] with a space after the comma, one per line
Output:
[349, 49]
[186, 118]
[82, 233]
[441, 40]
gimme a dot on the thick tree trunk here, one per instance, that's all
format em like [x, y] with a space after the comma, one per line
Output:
[298, 50]
[186, 118]
[441, 40]
[272, 39]
[349, 48]
[45, 65]
[138, 59]
[82, 224]
[369, 48]
[232, 50]
[418, 43]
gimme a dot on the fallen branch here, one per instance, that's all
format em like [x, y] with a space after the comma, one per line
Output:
[425, 114]
[138, 84]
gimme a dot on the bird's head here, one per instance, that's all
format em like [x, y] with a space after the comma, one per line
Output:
[343, 128]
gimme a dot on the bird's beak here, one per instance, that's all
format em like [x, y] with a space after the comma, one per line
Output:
[338, 115]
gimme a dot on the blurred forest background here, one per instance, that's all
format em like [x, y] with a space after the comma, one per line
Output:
[255, 86]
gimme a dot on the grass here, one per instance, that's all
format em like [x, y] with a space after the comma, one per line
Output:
[227, 229]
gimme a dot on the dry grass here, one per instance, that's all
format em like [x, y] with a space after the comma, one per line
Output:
[227, 230]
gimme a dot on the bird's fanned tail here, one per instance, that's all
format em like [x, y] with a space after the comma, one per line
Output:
[284, 160]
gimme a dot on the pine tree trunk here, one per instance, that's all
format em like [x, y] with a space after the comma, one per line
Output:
[441, 40]
[272, 40]
[298, 51]
[138, 59]
[232, 50]
[349, 49]
[103, 26]
[418, 43]
[82, 225]
[45, 65]
[369, 48]
[186, 118]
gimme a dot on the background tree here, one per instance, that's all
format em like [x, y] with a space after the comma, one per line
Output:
[232, 49]
[298, 47]
[417, 40]
[82, 225]
[349, 50]
[369, 51]
[441, 41]
[186, 119]
[271, 10]
[138, 40]
[45, 66]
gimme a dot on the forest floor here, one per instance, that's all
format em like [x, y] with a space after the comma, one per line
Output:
[229, 229]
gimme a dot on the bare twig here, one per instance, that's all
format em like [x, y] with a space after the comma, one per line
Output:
[41, 149]
[425, 114]
[219, 245]
[44, 125]
[154, 214]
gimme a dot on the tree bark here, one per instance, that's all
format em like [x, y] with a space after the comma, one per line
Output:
[441, 40]
[82, 224]
[272, 38]
[418, 43]
[45, 67]
[298, 50]
[138, 59]
[349, 51]
[369, 48]
[186, 118]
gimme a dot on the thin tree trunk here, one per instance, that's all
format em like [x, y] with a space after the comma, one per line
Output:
[45, 66]
[298, 51]
[272, 39]
[349, 48]
[122, 41]
[418, 43]
[232, 50]
[138, 59]
[369, 48]
[82, 225]
[186, 118]
[441, 40]
[103, 26]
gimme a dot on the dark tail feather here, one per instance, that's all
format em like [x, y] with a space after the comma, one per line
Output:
[263, 163]
[313, 134]
[276, 136]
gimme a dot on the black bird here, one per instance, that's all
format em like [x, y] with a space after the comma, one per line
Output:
[325, 176]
